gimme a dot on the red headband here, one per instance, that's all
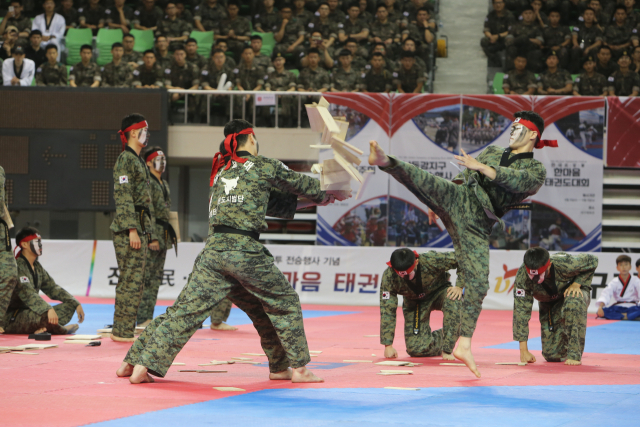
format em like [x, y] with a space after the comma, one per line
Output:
[141, 125]
[230, 145]
[540, 270]
[408, 270]
[18, 249]
[540, 143]
[153, 155]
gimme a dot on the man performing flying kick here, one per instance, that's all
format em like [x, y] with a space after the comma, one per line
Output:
[245, 188]
[494, 183]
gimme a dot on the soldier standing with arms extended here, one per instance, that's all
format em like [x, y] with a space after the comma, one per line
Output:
[161, 197]
[236, 265]
[494, 183]
[133, 226]
[8, 268]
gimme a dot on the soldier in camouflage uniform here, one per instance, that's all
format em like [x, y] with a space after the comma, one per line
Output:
[85, 72]
[147, 15]
[624, 82]
[222, 45]
[235, 265]
[208, 15]
[281, 79]
[409, 78]
[163, 57]
[117, 73]
[562, 285]
[130, 56]
[382, 30]
[314, 78]
[359, 63]
[590, 83]
[235, 29]
[173, 28]
[191, 47]
[587, 38]
[525, 38]
[557, 38]
[411, 45]
[119, 16]
[134, 226]
[183, 75]
[520, 81]
[260, 59]
[423, 281]
[289, 35]
[494, 183]
[8, 269]
[335, 13]
[161, 199]
[354, 28]
[555, 81]
[19, 20]
[496, 28]
[219, 315]
[344, 78]
[27, 312]
[92, 16]
[303, 15]
[210, 76]
[323, 24]
[248, 76]
[149, 74]
[618, 35]
[265, 21]
[51, 73]
[377, 78]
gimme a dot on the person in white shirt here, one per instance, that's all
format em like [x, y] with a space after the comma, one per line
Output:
[619, 300]
[18, 70]
[52, 26]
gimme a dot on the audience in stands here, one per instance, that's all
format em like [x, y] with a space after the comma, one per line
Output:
[587, 38]
[51, 25]
[624, 82]
[92, 16]
[590, 83]
[18, 70]
[16, 19]
[147, 16]
[149, 74]
[117, 73]
[409, 78]
[555, 80]
[520, 81]
[130, 56]
[85, 73]
[35, 51]
[344, 78]
[51, 73]
[377, 78]
[69, 13]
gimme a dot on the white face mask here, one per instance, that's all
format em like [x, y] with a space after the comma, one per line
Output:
[143, 136]
[160, 164]
[540, 276]
[36, 246]
[517, 133]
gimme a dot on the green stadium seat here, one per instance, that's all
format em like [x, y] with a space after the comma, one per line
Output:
[296, 72]
[205, 42]
[497, 84]
[573, 77]
[75, 38]
[144, 40]
[268, 43]
[68, 71]
[104, 40]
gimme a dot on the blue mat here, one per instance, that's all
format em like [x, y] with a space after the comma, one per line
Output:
[99, 315]
[542, 406]
[611, 338]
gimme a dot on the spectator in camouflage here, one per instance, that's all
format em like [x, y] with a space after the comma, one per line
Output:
[8, 269]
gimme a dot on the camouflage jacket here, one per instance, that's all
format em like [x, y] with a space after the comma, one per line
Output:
[616, 35]
[349, 28]
[607, 70]
[522, 31]
[495, 24]
[112, 16]
[555, 36]
[91, 16]
[175, 28]
[345, 81]
[292, 31]
[242, 195]
[280, 81]
[117, 75]
[359, 63]
[337, 15]
[85, 76]
[266, 21]
[329, 29]
[434, 267]
[587, 36]
[51, 75]
[385, 31]
[557, 80]
[567, 269]
[624, 84]
[147, 18]
[164, 62]
[211, 75]
[249, 78]
[184, 77]
[513, 183]
[408, 79]
[145, 77]
[519, 82]
[198, 60]
[161, 199]
[210, 17]
[133, 56]
[262, 61]
[373, 81]
[5, 240]
[305, 17]
[590, 86]
[314, 79]
[131, 189]
[22, 23]
[240, 26]
[26, 294]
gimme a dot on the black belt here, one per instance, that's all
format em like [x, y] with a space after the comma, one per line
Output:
[143, 210]
[626, 302]
[7, 242]
[223, 229]
[519, 206]
[169, 233]
[416, 320]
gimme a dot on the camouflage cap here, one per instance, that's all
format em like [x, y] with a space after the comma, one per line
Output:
[588, 59]
[552, 53]
[277, 55]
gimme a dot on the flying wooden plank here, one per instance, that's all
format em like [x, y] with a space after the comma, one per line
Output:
[178, 364]
[320, 146]
[346, 154]
[341, 186]
[105, 331]
[315, 120]
[369, 336]
[327, 118]
[348, 167]
[242, 358]
[316, 352]
[36, 346]
[452, 364]
[367, 176]
[248, 362]
[341, 141]
[80, 341]
[336, 177]
[323, 102]
[24, 352]
[344, 128]
[203, 371]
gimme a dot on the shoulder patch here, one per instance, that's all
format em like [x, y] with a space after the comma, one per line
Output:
[611, 79]
[136, 72]
[520, 293]
[167, 70]
[386, 295]
[24, 279]
[124, 179]
[205, 72]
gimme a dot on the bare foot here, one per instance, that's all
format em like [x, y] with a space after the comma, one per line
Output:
[2, 330]
[125, 370]
[71, 329]
[222, 327]
[120, 339]
[39, 331]
[284, 375]
[572, 362]
[447, 356]
[140, 375]
[303, 375]
[145, 323]
[463, 353]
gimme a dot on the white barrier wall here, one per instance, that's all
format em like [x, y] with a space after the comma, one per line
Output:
[320, 274]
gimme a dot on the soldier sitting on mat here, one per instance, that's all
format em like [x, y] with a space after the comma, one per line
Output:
[28, 313]
[562, 285]
[423, 281]
[624, 290]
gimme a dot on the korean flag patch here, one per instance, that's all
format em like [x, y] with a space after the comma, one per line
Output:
[24, 279]
[520, 293]
[124, 179]
[386, 295]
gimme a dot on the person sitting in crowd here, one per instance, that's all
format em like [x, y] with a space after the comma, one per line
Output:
[541, 18]
[344, 78]
[28, 312]
[261, 60]
[335, 13]
[191, 47]
[284, 80]
[313, 78]
[17, 19]
[174, 29]
[9, 40]
[85, 73]
[496, 29]
[265, 21]
[69, 13]
[359, 62]
[117, 73]
[318, 43]
[618, 35]
[184, 14]
[92, 16]
[382, 30]
[526, 36]
[182, 75]
[557, 38]
[555, 81]
[35, 51]
[216, 74]
[411, 45]
[289, 35]
[621, 298]
[605, 65]
[587, 38]
[377, 78]
[163, 57]
[147, 16]
[51, 73]
[51, 25]
[235, 29]
[130, 56]
[624, 82]
[223, 46]
[208, 15]
[389, 64]
[249, 76]
[354, 28]
[328, 29]
[18, 70]
[365, 15]
[119, 16]
[422, 30]
[590, 83]
[149, 74]
[301, 13]
[409, 78]
[520, 81]
[394, 15]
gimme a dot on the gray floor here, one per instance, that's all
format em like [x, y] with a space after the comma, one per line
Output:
[465, 70]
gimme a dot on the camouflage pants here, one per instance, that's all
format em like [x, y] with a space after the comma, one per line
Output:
[569, 318]
[154, 271]
[8, 281]
[26, 321]
[220, 313]
[469, 227]
[253, 283]
[131, 263]
[429, 343]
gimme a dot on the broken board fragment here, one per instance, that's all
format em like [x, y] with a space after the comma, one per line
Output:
[390, 373]
[80, 341]
[228, 389]
[105, 330]
[383, 371]
[248, 362]
[393, 363]
[402, 388]
[203, 371]
[453, 364]
[83, 337]
[315, 351]
[178, 364]
[370, 336]
[357, 361]
[367, 176]
[23, 352]
[188, 370]
[242, 358]
[35, 346]
[512, 363]
[253, 354]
